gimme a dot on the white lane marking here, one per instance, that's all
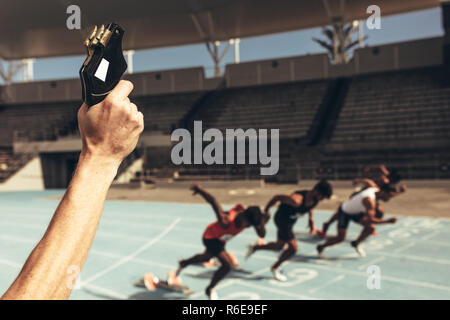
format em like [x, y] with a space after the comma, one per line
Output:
[431, 235]
[337, 279]
[105, 292]
[384, 253]
[10, 263]
[372, 262]
[405, 247]
[133, 254]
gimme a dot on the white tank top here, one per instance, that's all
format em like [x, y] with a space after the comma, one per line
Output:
[355, 204]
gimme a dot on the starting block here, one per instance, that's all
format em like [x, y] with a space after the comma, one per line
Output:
[173, 283]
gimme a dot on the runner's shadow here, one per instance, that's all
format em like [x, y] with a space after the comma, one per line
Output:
[158, 294]
[314, 258]
[234, 274]
[309, 238]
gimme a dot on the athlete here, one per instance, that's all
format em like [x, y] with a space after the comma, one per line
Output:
[228, 224]
[290, 209]
[385, 176]
[360, 208]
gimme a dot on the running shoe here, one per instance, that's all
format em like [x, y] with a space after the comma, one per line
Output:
[278, 275]
[358, 249]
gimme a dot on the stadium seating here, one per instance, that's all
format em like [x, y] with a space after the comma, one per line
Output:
[400, 118]
[289, 107]
[163, 112]
[408, 106]
[10, 162]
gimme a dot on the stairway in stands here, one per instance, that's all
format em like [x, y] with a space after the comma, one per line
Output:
[10, 163]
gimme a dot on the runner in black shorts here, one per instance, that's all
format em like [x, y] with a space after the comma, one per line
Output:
[376, 177]
[291, 207]
[229, 224]
[360, 208]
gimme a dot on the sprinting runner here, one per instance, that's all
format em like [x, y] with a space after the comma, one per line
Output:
[290, 209]
[360, 208]
[228, 224]
[391, 177]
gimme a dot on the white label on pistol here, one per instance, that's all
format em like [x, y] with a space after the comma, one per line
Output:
[102, 70]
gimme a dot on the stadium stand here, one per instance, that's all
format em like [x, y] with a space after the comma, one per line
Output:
[333, 121]
[401, 119]
[10, 162]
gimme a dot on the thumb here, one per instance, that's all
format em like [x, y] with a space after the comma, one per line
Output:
[82, 111]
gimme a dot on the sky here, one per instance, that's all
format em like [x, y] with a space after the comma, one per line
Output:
[397, 28]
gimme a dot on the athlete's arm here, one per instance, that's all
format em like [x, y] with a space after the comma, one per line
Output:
[261, 229]
[312, 229]
[222, 218]
[293, 200]
[370, 206]
[400, 190]
[109, 132]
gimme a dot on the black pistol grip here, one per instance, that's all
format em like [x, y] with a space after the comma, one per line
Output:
[104, 67]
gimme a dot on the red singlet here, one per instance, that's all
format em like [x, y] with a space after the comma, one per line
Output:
[216, 231]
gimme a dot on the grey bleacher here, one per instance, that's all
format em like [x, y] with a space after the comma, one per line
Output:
[289, 107]
[410, 106]
[163, 112]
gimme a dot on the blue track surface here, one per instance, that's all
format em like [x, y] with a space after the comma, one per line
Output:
[413, 255]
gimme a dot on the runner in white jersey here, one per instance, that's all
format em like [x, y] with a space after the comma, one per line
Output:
[360, 208]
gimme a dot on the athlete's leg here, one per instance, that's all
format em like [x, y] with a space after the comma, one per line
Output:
[198, 258]
[225, 267]
[284, 233]
[368, 229]
[341, 234]
[327, 224]
[274, 245]
[286, 254]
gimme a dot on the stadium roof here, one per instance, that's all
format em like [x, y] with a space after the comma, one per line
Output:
[38, 28]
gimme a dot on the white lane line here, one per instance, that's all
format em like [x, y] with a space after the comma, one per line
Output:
[133, 254]
[345, 271]
[405, 247]
[152, 225]
[138, 260]
[10, 263]
[276, 291]
[431, 235]
[337, 279]
[364, 275]
[370, 263]
[397, 255]
[105, 292]
[228, 282]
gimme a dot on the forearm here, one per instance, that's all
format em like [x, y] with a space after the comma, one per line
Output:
[379, 221]
[271, 203]
[214, 204]
[311, 223]
[69, 236]
[206, 195]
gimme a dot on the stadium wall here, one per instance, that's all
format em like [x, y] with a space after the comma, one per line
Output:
[390, 57]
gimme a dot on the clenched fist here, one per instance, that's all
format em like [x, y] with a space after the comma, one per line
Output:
[110, 129]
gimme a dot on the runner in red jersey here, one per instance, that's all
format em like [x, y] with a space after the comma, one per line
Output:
[228, 224]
